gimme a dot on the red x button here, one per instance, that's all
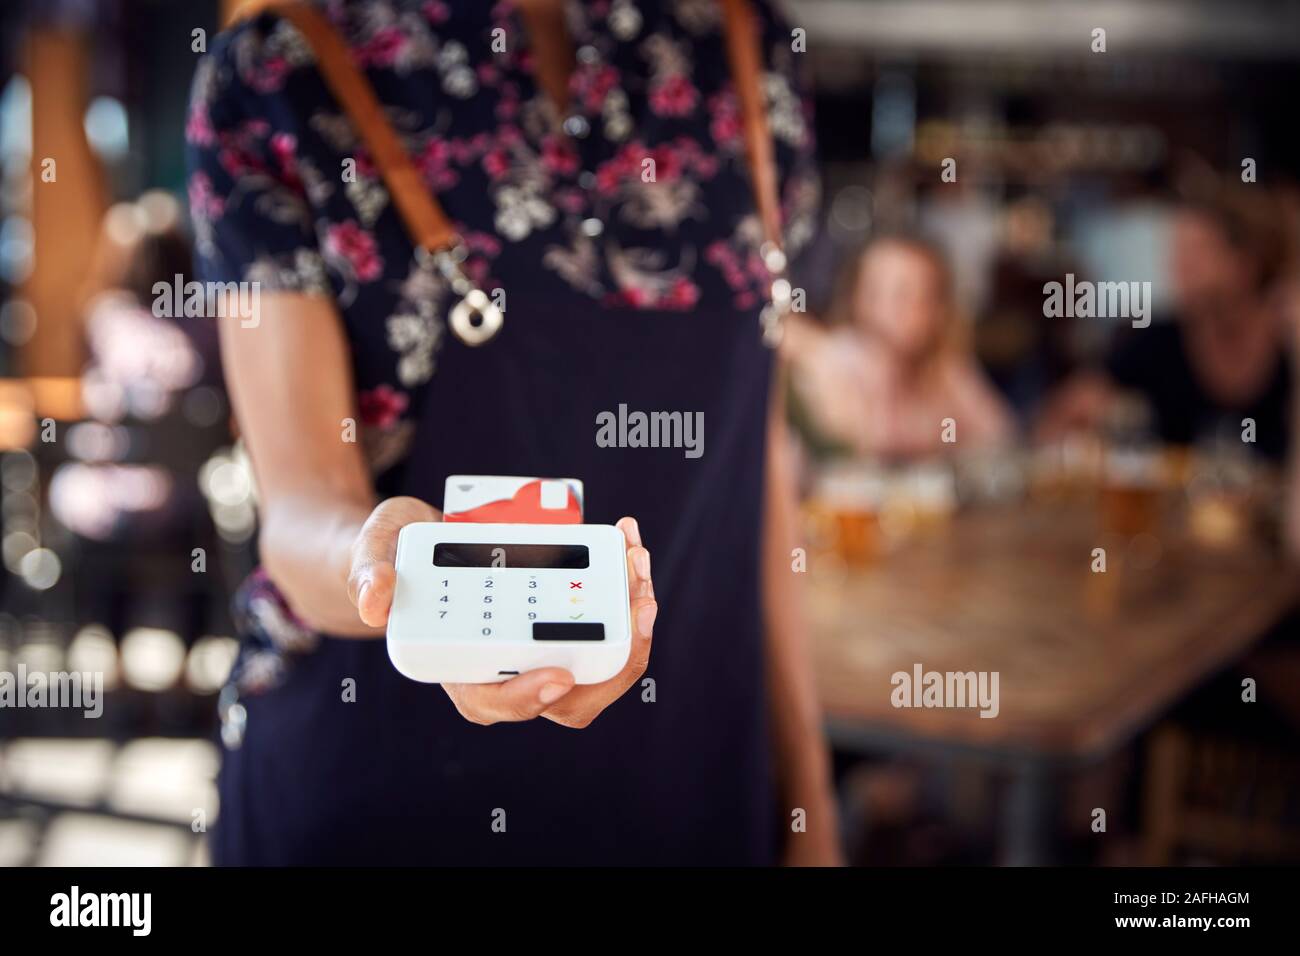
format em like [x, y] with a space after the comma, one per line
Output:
[575, 585]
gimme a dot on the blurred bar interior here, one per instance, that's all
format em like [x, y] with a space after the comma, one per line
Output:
[1119, 689]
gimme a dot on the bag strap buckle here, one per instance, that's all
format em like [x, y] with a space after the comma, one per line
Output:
[475, 319]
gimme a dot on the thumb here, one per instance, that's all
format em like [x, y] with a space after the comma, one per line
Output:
[372, 575]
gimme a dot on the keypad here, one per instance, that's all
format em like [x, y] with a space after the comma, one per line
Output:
[483, 603]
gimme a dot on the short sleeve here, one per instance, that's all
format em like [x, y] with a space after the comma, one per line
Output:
[252, 218]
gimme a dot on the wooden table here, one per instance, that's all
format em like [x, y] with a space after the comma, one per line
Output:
[1085, 660]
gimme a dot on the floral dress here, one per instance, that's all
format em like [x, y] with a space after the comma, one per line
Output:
[622, 240]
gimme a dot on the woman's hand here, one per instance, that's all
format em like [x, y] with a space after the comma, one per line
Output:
[373, 574]
[546, 692]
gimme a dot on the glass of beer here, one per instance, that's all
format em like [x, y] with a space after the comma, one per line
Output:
[1132, 471]
[1223, 490]
[851, 495]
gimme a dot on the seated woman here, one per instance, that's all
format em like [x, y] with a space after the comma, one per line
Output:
[889, 371]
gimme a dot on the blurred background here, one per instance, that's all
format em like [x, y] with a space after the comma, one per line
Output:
[1101, 514]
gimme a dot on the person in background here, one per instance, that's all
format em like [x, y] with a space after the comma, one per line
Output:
[1227, 356]
[890, 367]
[1224, 357]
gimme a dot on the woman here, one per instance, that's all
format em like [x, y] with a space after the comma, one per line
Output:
[887, 379]
[592, 159]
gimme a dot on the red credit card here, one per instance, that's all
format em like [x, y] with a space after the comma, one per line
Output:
[512, 500]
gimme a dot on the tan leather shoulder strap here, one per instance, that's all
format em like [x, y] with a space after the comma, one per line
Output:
[415, 203]
[428, 225]
[744, 53]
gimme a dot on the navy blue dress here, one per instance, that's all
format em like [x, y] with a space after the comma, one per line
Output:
[626, 282]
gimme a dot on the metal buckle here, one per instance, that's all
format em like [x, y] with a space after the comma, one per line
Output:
[475, 318]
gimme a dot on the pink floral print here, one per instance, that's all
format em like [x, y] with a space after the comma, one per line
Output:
[382, 406]
[637, 196]
[351, 243]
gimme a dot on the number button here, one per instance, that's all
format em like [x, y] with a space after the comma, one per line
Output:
[530, 597]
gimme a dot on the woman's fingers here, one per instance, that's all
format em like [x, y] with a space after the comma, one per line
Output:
[638, 575]
[643, 607]
[372, 576]
[520, 698]
[584, 704]
[548, 691]
[375, 594]
[631, 531]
